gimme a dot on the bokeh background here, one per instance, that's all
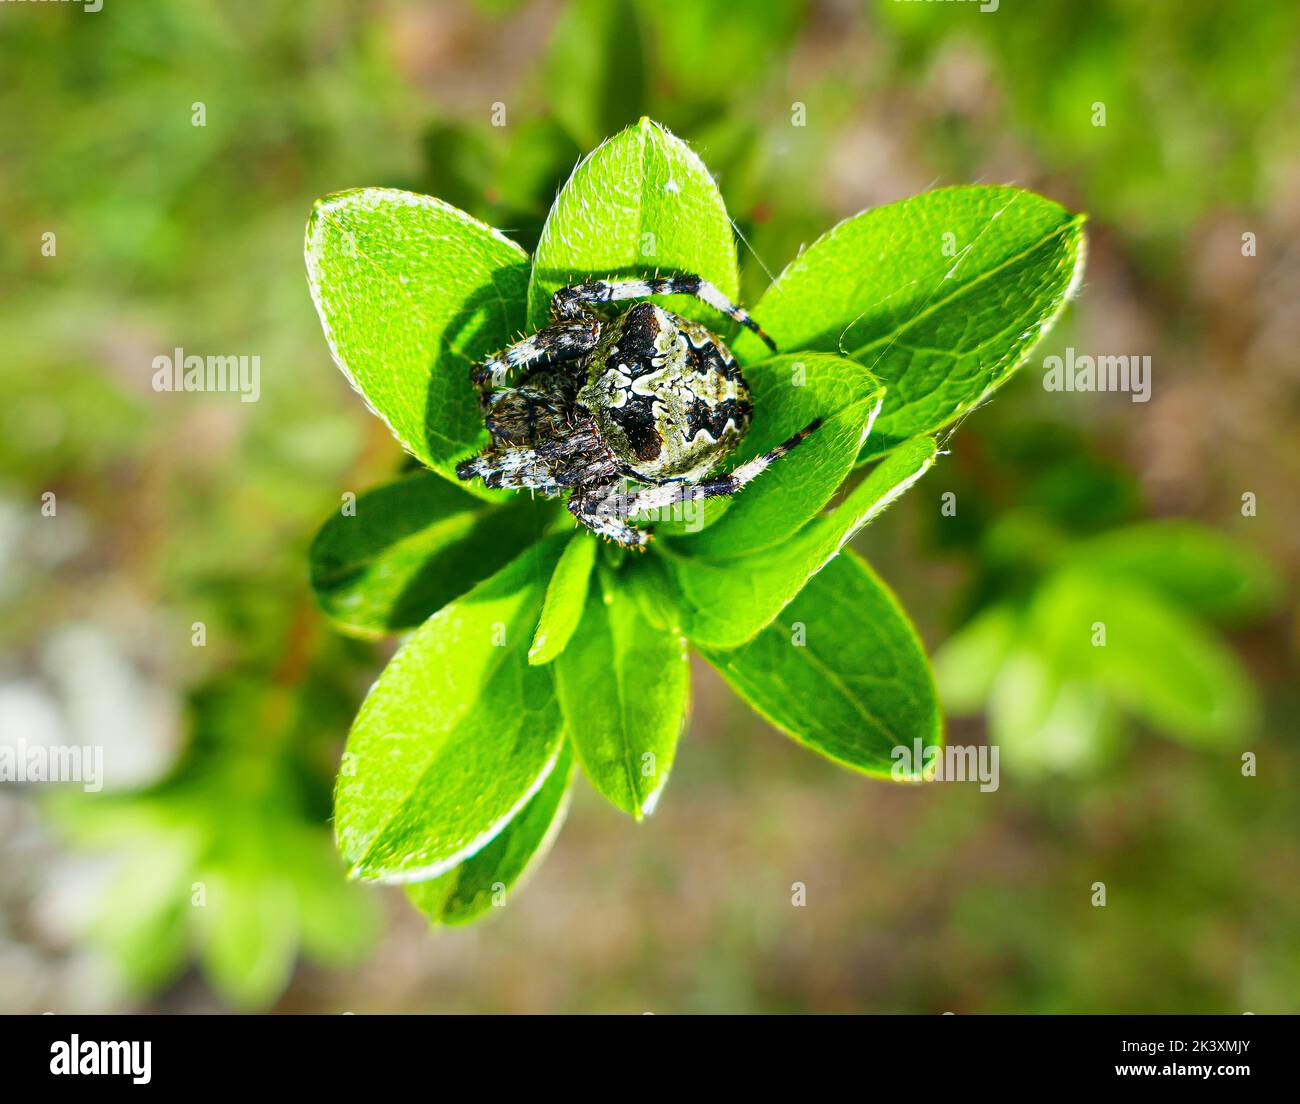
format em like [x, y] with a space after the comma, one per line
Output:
[176, 509]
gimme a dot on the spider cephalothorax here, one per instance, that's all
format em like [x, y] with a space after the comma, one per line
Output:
[647, 397]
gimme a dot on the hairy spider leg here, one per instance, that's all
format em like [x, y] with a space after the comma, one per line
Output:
[575, 459]
[564, 342]
[589, 509]
[515, 468]
[607, 513]
[569, 302]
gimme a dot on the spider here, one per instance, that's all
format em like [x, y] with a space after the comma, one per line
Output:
[648, 397]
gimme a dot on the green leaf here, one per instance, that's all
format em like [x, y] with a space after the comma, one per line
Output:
[594, 70]
[650, 582]
[1046, 719]
[789, 392]
[566, 598]
[967, 664]
[411, 292]
[623, 685]
[457, 734]
[1159, 664]
[410, 548]
[724, 602]
[467, 891]
[141, 918]
[338, 919]
[842, 672]
[684, 519]
[642, 202]
[196, 834]
[1198, 569]
[942, 296]
[249, 933]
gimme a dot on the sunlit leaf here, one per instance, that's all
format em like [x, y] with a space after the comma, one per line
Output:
[486, 878]
[410, 547]
[942, 296]
[624, 685]
[640, 203]
[724, 602]
[457, 734]
[411, 292]
[566, 598]
[842, 671]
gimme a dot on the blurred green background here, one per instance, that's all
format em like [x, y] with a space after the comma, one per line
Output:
[204, 877]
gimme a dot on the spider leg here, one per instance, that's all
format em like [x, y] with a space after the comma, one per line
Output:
[603, 515]
[564, 342]
[669, 494]
[570, 302]
[511, 467]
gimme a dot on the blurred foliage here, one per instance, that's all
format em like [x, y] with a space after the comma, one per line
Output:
[225, 859]
[173, 236]
[199, 508]
[699, 71]
[1219, 78]
[1080, 620]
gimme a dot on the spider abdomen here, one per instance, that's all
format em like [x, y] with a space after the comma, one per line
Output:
[665, 394]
